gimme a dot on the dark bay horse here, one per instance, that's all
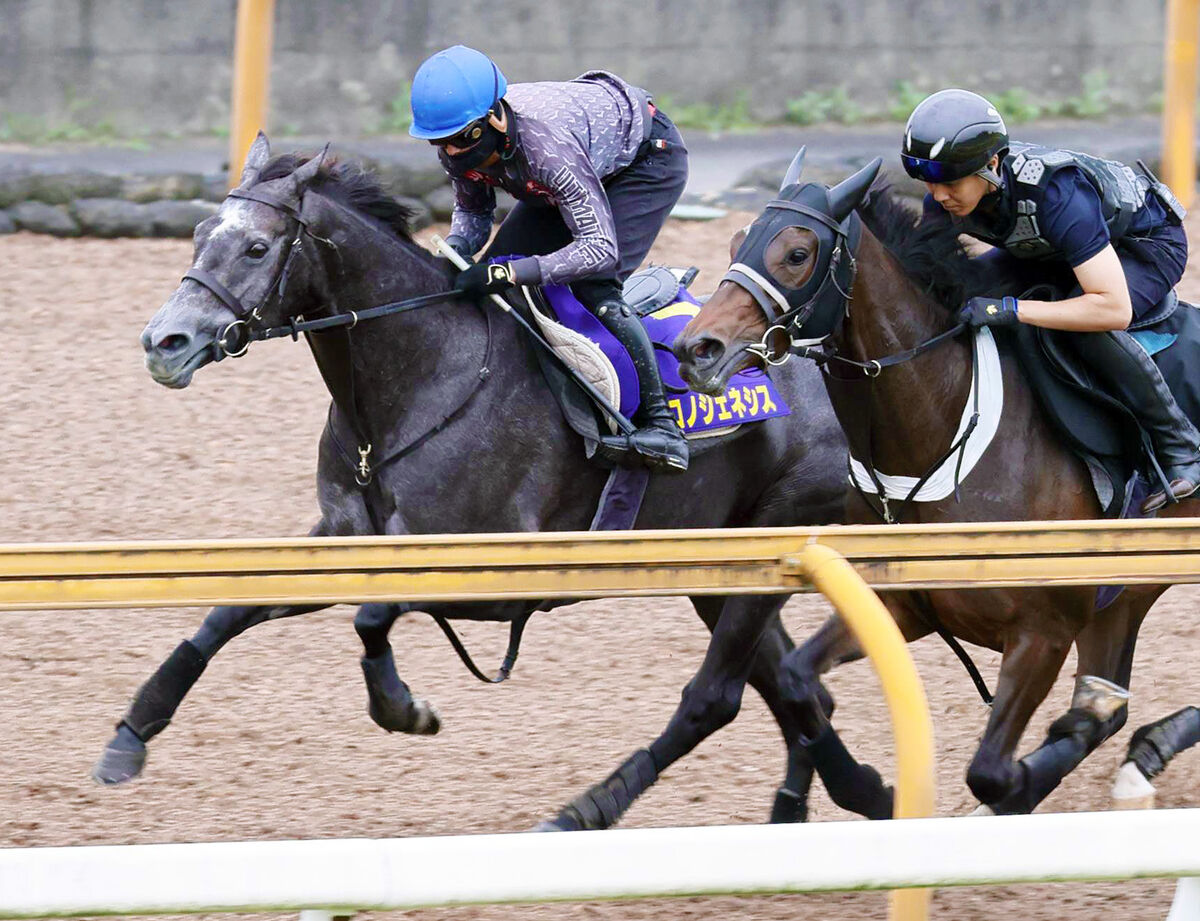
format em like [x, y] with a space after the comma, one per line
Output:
[861, 289]
[459, 384]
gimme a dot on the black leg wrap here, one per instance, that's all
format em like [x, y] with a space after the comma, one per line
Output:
[1153, 746]
[1068, 741]
[791, 800]
[789, 806]
[156, 700]
[853, 786]
[604, 804]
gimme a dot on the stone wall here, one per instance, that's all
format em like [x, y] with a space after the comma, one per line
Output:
[164, 65]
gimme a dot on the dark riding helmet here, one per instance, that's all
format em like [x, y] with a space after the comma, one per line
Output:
[951, 134]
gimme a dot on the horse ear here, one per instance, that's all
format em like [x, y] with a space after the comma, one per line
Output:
[848, 194]
[256, 158]
[792, 176]
[308, 171]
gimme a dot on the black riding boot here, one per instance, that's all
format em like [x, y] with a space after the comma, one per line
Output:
[1132, 377]
[659, 443]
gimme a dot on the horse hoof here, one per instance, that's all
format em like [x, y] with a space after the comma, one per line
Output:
[1132, 790]
[419, 718]
[427, 723]
[117, 765]
[562, 823]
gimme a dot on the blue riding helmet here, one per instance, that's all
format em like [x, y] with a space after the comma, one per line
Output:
[451, 90]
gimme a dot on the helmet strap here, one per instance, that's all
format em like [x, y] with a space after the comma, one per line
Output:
[991, 176]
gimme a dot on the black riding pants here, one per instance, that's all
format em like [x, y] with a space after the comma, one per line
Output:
[640, 196]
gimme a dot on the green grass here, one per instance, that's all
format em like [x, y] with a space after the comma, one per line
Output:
[398, 116]
[704, 116]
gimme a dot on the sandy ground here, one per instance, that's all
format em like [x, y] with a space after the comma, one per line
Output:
[275, 742]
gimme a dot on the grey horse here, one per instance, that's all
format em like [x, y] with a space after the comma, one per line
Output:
[466, 437]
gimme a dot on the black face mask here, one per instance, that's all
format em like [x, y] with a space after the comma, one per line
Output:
[462, 163]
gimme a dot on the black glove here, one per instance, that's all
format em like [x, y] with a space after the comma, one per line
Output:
[990, 311]
[485, 278]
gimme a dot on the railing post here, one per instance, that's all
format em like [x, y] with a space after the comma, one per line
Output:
[881, 640]
[1186, 906]
[251, 73]
[1179, 98]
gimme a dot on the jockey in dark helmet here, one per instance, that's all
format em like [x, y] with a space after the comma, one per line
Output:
[1093, 226]
[596, 169]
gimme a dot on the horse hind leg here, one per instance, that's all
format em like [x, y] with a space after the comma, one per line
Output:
[852, 786]
[791, 798]
[156, 701]
[1150, 751]
[710, 700]
[389, 701]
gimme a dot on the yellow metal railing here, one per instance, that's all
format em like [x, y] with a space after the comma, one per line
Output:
[881, 640]
[587, 565]
[1179, 98]
[251, 78]
[844, 563]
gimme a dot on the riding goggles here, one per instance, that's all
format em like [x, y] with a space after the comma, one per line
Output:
[468, 137]
[931, 170]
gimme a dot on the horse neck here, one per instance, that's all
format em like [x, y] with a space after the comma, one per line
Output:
[389, 372]
[913, 408]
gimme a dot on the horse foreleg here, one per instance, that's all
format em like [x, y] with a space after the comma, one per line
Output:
[389, 701]
[1098, 707]
[710, 700]
[156, 701]
[1027, 672]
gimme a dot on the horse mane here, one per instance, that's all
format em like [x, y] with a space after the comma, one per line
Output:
[350, 183]
[929, 250]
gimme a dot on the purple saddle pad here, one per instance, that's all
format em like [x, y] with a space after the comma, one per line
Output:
[749, 397]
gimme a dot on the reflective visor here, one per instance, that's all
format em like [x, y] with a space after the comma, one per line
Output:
[930, 170]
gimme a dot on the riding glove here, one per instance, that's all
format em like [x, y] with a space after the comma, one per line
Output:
[990, 311]
[485, 278]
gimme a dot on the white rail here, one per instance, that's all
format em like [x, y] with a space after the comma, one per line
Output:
[349, 874]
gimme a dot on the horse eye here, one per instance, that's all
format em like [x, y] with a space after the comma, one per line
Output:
[797, 256]
[256, 250]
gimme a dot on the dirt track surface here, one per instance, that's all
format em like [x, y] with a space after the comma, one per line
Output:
[275, 742]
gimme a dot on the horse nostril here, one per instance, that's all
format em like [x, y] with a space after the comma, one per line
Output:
[172, 344]
[707, 349]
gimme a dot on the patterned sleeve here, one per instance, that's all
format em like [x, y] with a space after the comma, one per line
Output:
[474, 208]
[562, 167]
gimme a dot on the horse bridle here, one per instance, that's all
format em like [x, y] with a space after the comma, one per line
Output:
[785, 311]
[249, 320]
[364, 472]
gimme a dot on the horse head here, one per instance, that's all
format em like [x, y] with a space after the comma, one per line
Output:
[788, 283]
[245, 269]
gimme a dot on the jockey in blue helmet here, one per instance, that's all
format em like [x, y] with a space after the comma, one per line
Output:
[595, 168]
[1093, 227]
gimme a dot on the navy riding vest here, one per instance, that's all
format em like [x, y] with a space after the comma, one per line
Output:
[1026, 171]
